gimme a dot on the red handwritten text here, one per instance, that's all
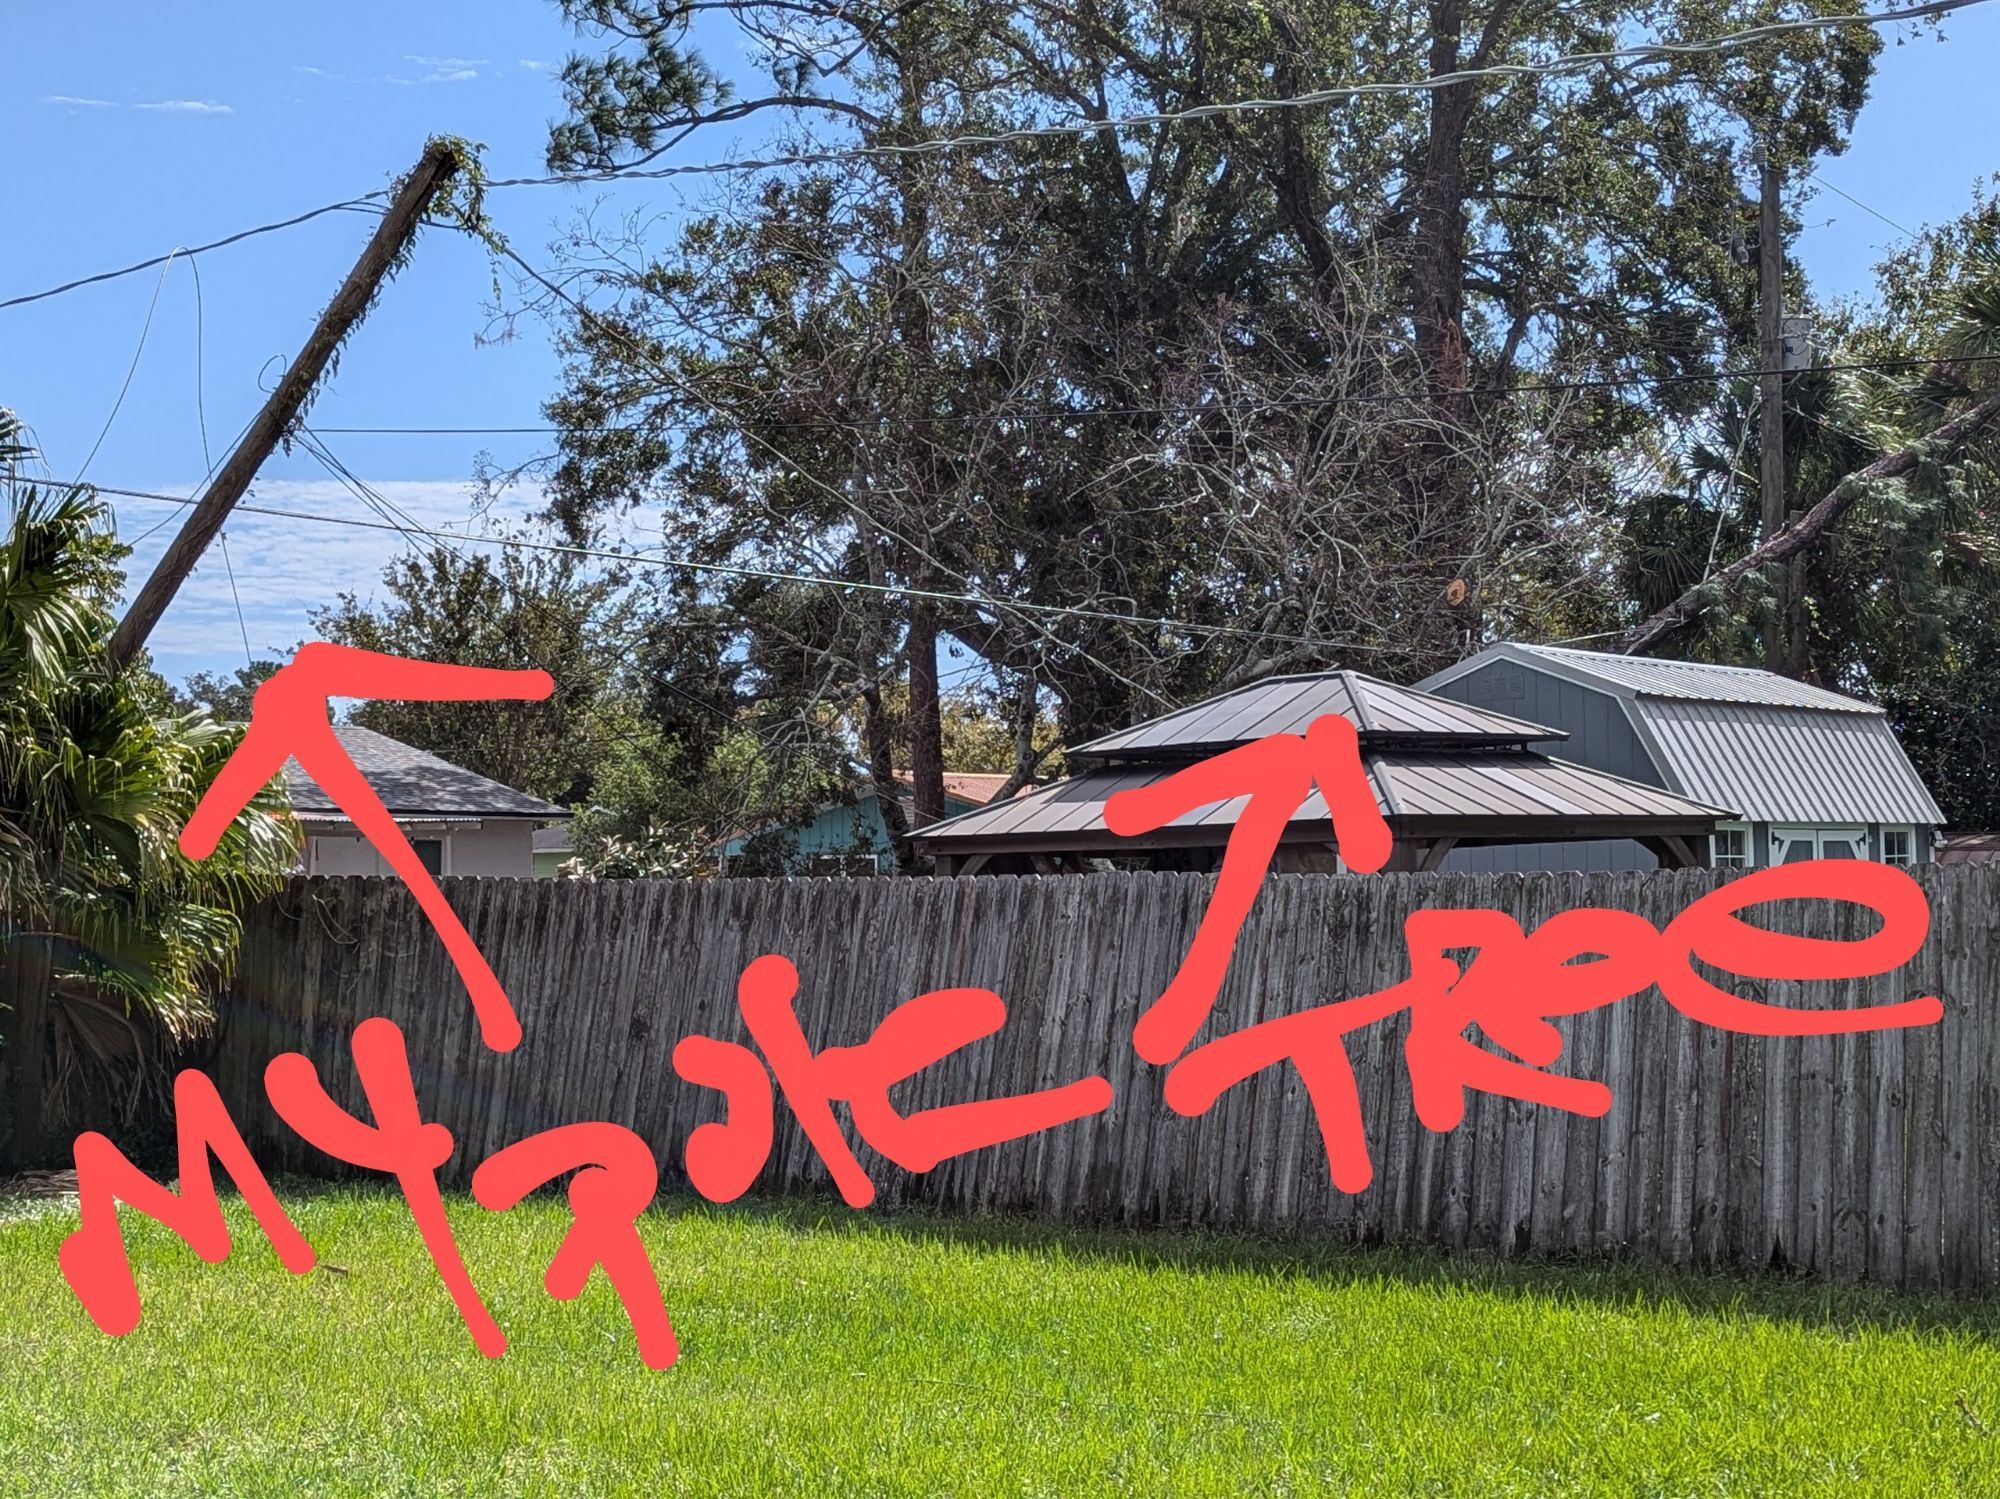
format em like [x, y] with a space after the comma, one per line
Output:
[1471, 971]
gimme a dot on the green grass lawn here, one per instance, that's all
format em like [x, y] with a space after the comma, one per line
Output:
[828, 1352]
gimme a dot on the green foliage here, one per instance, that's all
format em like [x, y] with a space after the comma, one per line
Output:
[518, 609]
[646, 734]
[226, 699]
[1206, 373]
[95, 786]
[1905, 601]
[655, 853]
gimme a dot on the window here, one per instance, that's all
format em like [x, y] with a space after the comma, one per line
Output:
[430, 853]
[1796, 845]
[1898, 846]
[1729, 847]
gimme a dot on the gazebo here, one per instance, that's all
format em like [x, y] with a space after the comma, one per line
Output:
[1445, 775]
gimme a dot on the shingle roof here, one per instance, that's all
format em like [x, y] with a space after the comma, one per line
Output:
[1695, 681]
[1507, 792]
[414, 783]
[1382, 712]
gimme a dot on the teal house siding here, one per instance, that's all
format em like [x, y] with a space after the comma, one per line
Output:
[842, 831]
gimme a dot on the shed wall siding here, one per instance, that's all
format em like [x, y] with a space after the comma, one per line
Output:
[1539, 858]
[1599, 734]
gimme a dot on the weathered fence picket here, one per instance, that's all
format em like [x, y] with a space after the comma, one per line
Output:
[1858, 1156]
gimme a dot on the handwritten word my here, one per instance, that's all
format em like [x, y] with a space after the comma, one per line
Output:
[616, 1175]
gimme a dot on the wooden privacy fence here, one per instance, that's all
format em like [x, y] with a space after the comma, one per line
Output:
[1872, 1155]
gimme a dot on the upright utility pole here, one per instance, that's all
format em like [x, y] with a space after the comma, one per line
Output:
[1771, 400]
[398, 225]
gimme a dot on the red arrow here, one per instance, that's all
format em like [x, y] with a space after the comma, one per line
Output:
[290, 720]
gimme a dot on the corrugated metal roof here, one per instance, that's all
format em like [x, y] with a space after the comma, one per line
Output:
[1287, 705]
[1787, 764]
[1970, 848]
[1410, 788]
[412, 781]
[1695, 681]
[1517, 785]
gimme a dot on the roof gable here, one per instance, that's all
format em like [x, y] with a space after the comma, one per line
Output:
[1737, 736]
[1691, 681]
[412, 783]
[1380, 711]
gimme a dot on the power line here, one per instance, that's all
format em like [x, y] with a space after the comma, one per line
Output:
[356, 204]
[689, 564]
[1843, 192]
[145, 330]
[375, 500]
[200, 358]
[1575, 62]
[1555, 67]
[1058, 414]
[845, 499]
[241, 624]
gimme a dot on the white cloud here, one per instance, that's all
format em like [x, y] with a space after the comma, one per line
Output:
[76, 102]
[311, 72]
[188, 107]
[455, 75]
[448, 64]
[285, 568]
[531, 65]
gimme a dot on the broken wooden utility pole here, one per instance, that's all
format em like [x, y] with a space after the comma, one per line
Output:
[1771, 398]
[391, 237]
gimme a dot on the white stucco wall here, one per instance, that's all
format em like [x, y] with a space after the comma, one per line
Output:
[497, 847]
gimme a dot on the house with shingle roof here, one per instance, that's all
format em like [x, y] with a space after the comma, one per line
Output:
[1447, 777]
[459, 822]
[1810, 773]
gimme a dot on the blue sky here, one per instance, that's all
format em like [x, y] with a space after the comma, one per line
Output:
[133, 128]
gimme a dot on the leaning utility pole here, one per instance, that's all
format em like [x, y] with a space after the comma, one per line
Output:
[350, 303]
[1771, 384]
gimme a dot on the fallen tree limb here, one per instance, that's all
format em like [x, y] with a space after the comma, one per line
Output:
[1807, 529]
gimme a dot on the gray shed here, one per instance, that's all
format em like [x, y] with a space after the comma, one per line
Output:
[1811, 773]
[1445, 775]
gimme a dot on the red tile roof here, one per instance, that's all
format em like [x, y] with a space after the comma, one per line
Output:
[977, 787]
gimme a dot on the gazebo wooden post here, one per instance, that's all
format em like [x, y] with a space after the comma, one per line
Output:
[1434, 855]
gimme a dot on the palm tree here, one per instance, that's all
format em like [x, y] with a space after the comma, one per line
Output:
[114, 942]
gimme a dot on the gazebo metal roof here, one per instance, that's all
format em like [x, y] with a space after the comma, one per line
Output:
[1489, 797]
[1381, 712]
[1443, 773]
